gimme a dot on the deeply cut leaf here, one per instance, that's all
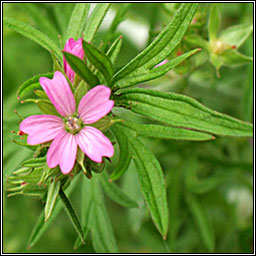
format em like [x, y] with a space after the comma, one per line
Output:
[99, 60]
[214, 22]
[31, 84]
[77, 20]
[81, 69]
[71, 213]
[151, 180]
[33, 34]
[41, 226]
[124, 155]
[116, 194]
[53, 192]
[154, 72]
[167, 132]
[163, 45]
[95, 21]
[181, 111]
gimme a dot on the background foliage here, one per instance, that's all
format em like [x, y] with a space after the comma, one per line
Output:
[209, 184]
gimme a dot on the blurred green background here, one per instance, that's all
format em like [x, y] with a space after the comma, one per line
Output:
[217, 173]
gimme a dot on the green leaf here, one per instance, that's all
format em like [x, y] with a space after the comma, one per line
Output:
[81, 69]
[151, 180]
[124, 156]
[104, 123]
[154, 72]
[47, 107]
[103, 238]
[33, 34]
[203, 221]
[236, 35]
[33, 176]
[86, 209]
[33, 162]
[99, 60]
[31, 84]
[77, 21]
[116, 194]
[167, 132]
[80, 91]
[95, 20]
[198, 41]
[181, 111]
[114, 49]
[163, 45]
[71, 213]
[41, 94]
[32, 147]
[233, 58]
[53, 192]
[214, 22]
[41, 226]
[43, 23]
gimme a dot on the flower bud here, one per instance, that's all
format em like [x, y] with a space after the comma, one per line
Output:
[75, 48]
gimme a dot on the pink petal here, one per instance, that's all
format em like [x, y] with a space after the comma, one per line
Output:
[95, 104]
[41, 128]
[53, 152]
[94, 144]
[161, 63]
[60, 94]
[62, 152]
[75, 48]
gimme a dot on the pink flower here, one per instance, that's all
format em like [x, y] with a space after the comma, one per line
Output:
[75, 48]
[161, 63]
[73, 128]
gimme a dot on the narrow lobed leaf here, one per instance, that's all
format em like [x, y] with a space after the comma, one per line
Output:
[77, 21]
[81, 69]
[71, 213]
[163, 45]
[154, 72]
[214, 22]
[114, 50]
[182, 111]
[31, 84]
[53, 192]
[103, 238]
[33, 34]
[151, 180]
[41, 226]
[99, 60]
[116, 194]
[95, 20]
[167, 132]
[41, 20]
[124, 155]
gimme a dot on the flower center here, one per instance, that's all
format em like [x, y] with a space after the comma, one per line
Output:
[73, 124]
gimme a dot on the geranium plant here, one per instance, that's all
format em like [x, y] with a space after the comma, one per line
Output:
[83, 123]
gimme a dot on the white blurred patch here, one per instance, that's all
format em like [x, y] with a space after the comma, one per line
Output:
[243, 200]
[136, 32]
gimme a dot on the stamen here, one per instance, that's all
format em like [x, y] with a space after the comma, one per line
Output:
[73, 124]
